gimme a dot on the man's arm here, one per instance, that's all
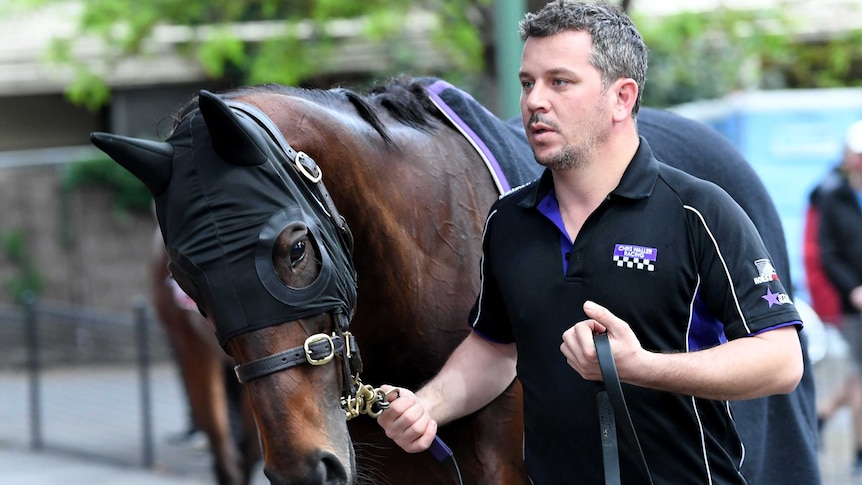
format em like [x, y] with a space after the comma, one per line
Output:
[744, 368]
[477, 372]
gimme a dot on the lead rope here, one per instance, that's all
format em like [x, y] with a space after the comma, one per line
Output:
[445, 456]
[612, 404]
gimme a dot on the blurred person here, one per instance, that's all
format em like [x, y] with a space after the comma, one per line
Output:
[668, 265]
[825, 299]
[837, 201]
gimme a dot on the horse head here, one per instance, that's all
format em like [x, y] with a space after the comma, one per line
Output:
[254, 239]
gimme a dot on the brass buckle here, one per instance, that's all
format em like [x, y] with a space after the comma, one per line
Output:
[313, 178]
[347, 345]
[320, 337]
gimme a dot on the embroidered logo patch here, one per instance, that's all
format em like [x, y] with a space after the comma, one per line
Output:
[775, 298]
[766, 272]
[635, 257]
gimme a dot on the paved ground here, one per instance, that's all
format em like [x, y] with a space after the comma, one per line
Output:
[19, 467]
[91, 429]
[837, 447]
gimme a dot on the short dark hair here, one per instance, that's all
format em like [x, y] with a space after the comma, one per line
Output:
[618, 48]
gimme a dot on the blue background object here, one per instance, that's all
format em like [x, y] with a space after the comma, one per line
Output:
[791, 138]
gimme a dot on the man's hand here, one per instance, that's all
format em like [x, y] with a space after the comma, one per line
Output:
[406, 421]
[580, 350]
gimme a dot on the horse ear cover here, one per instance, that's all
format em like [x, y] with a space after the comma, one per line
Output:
[222, 195]
[236, 139]
[149, 161]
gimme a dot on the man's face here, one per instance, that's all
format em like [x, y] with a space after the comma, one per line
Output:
[564, 107]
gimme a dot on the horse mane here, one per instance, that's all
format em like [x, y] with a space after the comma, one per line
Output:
[403, 98]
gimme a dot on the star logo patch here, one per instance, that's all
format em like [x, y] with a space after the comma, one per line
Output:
[775, 298]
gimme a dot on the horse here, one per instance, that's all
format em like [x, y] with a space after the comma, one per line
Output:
[261, 244]
[217, 402]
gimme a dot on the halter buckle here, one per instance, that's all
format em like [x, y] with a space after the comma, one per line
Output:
[304, 170]
[319, 337]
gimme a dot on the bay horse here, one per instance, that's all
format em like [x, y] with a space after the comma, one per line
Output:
[263, 246]
[257, 240]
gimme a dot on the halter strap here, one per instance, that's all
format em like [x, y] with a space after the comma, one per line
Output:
[318, 349]
[305, 165]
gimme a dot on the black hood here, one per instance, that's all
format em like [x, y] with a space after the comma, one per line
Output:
[225, 187]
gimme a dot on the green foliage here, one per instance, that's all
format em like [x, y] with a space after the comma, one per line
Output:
[833, 63]
[461, 40]
[695, 55]
[220, 50]
[27, 279]
[88, 90]
[130, 194]
[699, 55]
[286, 61]
[214, 40]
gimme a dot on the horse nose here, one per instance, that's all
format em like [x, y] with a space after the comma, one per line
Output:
[324, 468]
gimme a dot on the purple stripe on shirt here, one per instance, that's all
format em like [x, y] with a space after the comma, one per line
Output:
[706, 330]
[551, 209]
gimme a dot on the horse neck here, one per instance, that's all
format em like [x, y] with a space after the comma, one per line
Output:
[417, 214]
[416, 210]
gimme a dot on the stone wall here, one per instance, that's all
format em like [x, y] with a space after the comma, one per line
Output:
[85, 251]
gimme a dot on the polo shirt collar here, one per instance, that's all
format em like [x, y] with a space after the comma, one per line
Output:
[637, 182]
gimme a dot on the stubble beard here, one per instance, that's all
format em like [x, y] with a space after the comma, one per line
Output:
[566, 158]
[575, 157]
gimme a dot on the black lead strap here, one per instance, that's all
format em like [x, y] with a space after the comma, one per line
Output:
[445, 456]
[610, 451]
[613, 411]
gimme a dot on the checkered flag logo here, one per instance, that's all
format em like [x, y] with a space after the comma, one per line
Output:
[635, 257]
[639, 263]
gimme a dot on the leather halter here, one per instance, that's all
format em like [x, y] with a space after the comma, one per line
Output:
[318, 349]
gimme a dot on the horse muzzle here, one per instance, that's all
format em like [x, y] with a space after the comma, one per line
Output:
[321, 468]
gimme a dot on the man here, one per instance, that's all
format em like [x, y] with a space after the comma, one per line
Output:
[613, 240]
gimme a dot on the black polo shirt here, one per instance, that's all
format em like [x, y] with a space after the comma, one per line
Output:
[672, 255]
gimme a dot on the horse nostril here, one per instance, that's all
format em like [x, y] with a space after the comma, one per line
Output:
[332, 469]
[324, 468]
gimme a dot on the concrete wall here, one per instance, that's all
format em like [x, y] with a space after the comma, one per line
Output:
[85, 251]
[44, 121]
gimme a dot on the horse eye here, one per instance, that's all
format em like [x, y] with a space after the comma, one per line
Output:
[297, 254]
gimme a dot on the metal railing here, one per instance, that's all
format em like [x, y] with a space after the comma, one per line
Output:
[91, 383]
